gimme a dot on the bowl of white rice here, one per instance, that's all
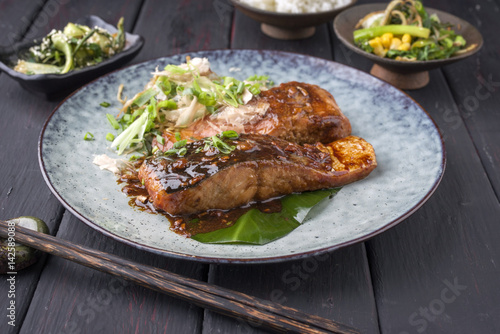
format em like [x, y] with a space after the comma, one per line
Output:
[291, 19]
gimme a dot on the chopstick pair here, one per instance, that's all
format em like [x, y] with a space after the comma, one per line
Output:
[235, 304]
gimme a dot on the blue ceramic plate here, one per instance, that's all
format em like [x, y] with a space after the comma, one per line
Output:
[409, 148]
[57, 84]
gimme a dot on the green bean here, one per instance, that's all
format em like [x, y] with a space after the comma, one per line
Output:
[396, 29]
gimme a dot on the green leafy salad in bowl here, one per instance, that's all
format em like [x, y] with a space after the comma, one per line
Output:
[75, 47]
[405, 31]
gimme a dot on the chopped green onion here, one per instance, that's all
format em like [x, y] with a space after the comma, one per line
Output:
[164, 84]
[131, 135]
[182, 152]
[145, 97]
[160, 139]
[110, 137]
[180, 143]
[177, 136]
[196, 87]
[254, 89]
[179, 90]
[228, 81]
[171, 152]
[126, 118]
[187, 91]
[88, 136]
[175, 69]
[112, 120]
[241, 87]
[221, 146]
[230, 134]
[135, 114]
[207, 99]
[167, 104]
[105, 104]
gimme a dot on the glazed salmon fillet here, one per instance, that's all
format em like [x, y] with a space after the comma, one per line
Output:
[259, 167]
[298, 112]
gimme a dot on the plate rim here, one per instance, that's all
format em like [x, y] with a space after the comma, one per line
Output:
[220, 260]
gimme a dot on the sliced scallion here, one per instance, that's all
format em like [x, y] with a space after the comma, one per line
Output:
[88, 136]
[110, 137]
[145, 97]
[175, 69]
[180, 143]
[112, 120]
[160, 139]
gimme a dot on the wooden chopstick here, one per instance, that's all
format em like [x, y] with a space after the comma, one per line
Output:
[231, 303]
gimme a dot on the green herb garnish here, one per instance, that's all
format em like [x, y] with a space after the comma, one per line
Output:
[88, 136]
[218, 142]
[110, 137]
[112, 120]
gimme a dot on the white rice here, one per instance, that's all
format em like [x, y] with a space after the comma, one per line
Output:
[296, 6]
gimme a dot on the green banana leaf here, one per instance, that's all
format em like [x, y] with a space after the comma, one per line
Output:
[258, 228]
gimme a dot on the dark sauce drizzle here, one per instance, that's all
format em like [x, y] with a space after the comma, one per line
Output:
[188, 225]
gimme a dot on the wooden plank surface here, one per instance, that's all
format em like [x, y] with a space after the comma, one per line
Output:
[475, 85]
[246, 34]
[334, 285]
[173, 27]
[98, 302]
[436, 271]
[22, 177]
[16, 17]
[22, 189]
[74, 299]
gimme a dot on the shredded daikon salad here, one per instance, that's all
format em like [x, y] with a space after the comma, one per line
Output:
[175, 97]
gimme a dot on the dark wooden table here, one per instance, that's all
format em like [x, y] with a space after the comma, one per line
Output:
[436, 272]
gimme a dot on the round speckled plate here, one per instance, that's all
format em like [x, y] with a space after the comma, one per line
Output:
[409, 148]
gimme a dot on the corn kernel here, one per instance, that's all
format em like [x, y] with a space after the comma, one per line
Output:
[380, 51]
[375, 42]
[396, 42]
[406, 38]
[404, 47]
[386, 39]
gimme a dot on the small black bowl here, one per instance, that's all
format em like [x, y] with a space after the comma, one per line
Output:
[402, 74]
[58, 84]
